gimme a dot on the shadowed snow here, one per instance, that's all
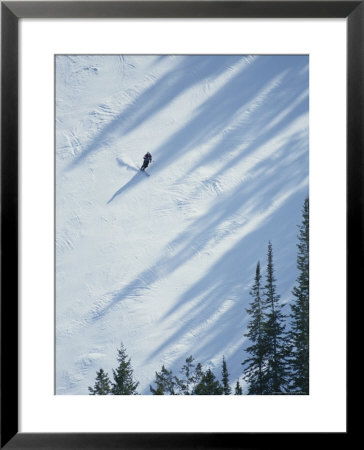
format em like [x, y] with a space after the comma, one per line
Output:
[164, 260]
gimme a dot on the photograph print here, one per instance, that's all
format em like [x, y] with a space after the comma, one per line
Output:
[182, 224]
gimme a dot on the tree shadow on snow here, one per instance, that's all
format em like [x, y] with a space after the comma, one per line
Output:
[257, 196]
[265, 205]
[187, 72]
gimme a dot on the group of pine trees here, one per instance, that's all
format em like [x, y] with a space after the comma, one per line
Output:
[278, 349]
[123, 383]
[194, 380]
[278, 361]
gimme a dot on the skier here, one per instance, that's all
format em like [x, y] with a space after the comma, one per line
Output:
[147, 159]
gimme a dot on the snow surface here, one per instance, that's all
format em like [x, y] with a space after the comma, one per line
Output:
[164, 263]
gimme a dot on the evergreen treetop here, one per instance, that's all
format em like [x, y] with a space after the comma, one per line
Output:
[208, 385]
[226, 389]
[187, 382]
[238, 389]
[123, 376]
[274, 331]
[165, 383]
[255, 372]
[102, 384]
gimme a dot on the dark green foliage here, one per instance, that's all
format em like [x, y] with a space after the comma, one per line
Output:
[267, 366]
[299, 334]
[194, 382]
[159, 390]
[208, 385]
[226, 389]
[102, 384]
[238, 389]
[123, 376]
[275, 336]
[255, 372]
[165, 383]
[197, 376]
[198, 373]
[188, 380]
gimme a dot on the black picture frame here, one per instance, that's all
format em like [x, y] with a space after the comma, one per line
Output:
[11, 12]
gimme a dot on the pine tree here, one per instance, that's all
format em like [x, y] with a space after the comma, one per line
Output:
[255, 372]
[102, 384]
[159, 390]
[238, 389]
[208, 385]
[197, 377]
[299, 334]
[275, 337]
[185, 384]
[165, 383]
[123, 376]
[226, 389]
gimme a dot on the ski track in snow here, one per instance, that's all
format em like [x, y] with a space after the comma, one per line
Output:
[163, 261]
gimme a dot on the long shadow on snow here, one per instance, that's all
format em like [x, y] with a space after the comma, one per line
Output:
[189, 250]
[260, 201]
[293, 146]
[214, 336]
[189, 71]
[137, 178]
[222, 276]
[195, 239]
[192, 70]
[292, 149]
[215, 114]
[282, 107]
[262, 138]
[236, 210]
[227, 324]
[209, 120]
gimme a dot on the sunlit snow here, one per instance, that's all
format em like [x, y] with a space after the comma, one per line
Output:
[164, 263]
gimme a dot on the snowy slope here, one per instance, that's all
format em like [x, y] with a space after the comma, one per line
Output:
[164, 262]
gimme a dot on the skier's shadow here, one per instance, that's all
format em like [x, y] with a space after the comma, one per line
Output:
[131, 183]
[122, 163]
